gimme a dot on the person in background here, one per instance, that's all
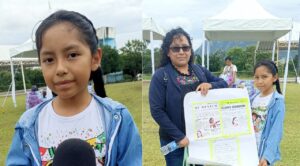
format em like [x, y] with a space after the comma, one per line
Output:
[33, 97]
[229, 73]
[177, 76]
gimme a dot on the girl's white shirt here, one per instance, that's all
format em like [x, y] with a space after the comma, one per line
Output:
[54, 129]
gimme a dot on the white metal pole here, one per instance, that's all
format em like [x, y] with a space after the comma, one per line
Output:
[23, 77]
[203, 49]
[207, 55]
[152, 52]
[13, 85]
[255, 52]
[287, 64]
[7, 94]
[273, 51]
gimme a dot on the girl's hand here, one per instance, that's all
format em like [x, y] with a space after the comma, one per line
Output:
[184, 142]
[204, 87]
[263, 162]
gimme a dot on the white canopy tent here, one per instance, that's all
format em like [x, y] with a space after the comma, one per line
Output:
[295, 34]
[24, 52]
[151, 31]
[294, 45]
[245, 20]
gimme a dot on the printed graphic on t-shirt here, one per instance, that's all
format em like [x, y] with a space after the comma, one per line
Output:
[97, 143]
[259, 117]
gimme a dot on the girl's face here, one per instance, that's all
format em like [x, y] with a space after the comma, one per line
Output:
[66, 60]
[180, 51]
[228, 62]
[263, 80]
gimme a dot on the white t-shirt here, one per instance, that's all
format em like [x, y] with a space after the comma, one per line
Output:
[259, 115]
[86, 125]
[228, 74]
[229, 69]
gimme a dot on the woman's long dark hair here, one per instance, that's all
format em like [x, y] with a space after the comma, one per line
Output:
[88, 34]
[167, 41]
[271, 66]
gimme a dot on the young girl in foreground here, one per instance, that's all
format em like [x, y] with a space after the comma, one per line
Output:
[269, 105]
[66, 43]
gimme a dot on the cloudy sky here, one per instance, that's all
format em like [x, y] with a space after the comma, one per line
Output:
[18, 18]
[189, 13]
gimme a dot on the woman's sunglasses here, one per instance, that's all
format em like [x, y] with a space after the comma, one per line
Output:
[184, 49]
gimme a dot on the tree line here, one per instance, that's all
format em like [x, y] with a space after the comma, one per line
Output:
[127, 59]
[243, 58]
[135, 58]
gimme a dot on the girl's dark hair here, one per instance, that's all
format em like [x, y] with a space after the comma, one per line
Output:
[228, 58]
[87, 32]
[271, 66]
[167, 41]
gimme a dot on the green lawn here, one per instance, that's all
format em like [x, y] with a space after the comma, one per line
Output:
[128, 93]
[290, 146]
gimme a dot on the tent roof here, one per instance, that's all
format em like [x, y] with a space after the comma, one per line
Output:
[295, 33]
[4, 52]
[24, 50]
[150, 25]
[245, 20]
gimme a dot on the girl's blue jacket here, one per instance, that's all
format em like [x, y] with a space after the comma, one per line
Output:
[269, 148]
[123, 140]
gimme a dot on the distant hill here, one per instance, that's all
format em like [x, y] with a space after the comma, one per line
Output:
[225, 45]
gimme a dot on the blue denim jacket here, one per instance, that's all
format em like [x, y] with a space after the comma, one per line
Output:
[269, 148]
[123, 140]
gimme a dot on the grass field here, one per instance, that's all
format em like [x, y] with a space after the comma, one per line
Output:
[128, 94]
[290, 146]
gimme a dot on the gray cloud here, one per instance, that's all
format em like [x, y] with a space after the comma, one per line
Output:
[18, 18]
[190, 13]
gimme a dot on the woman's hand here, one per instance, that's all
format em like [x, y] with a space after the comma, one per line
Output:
[184, 142]
[263, 162]
[204, 87]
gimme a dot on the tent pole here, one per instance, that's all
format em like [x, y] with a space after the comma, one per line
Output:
[13, 85]
[6, 96]
[23, 77]
[203, 50]
[207, 55]
[273, 51]
[287, 64]
[255, 52]
[152, 52]
[277, 50]
[298, 67]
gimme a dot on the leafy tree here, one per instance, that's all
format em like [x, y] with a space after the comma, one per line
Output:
[238, 57]
[5, 80]
[198, 59]
[147, 63]
[216, 61]
[110, 60]
[249, 58]
[263, 56]
[33, 77]
[157, 58]
[147, 67]
[131, 55]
